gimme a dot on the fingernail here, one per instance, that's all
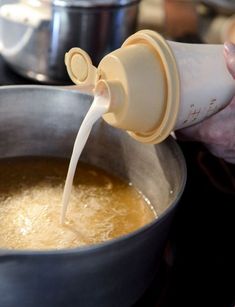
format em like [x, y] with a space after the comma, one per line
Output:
[229, 48]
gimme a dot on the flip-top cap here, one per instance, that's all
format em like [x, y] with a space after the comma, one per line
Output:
[79, 67]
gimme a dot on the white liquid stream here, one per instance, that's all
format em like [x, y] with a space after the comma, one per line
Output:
[100, 105]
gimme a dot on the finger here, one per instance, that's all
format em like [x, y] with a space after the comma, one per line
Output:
[229, 54]
[217, 129]
[191, 133]
[228, 154]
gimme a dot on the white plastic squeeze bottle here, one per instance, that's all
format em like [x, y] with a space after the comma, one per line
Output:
[156, 86]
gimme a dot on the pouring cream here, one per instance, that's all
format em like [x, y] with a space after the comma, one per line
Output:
[99, 106]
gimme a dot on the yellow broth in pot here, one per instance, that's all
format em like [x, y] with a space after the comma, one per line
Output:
[102, 206]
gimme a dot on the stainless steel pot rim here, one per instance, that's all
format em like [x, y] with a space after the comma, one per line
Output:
[91, 4]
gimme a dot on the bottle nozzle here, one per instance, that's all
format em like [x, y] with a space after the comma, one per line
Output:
[111, 91]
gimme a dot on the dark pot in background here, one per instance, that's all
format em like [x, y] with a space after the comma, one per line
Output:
[35, 35]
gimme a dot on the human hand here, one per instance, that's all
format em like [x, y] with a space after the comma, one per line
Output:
[218, 131]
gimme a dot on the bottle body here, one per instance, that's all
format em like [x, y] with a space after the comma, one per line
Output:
[205, 83]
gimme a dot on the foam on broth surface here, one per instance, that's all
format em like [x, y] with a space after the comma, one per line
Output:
[102, 206]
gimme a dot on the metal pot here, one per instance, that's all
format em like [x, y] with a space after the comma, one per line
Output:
[36, 34]
[222, 6]
[43, 121]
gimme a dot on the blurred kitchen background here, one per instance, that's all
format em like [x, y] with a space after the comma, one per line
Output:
[35, 34]
[199, 262]
[209, 21]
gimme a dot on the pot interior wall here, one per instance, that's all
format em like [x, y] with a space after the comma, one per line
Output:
[43, 121]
